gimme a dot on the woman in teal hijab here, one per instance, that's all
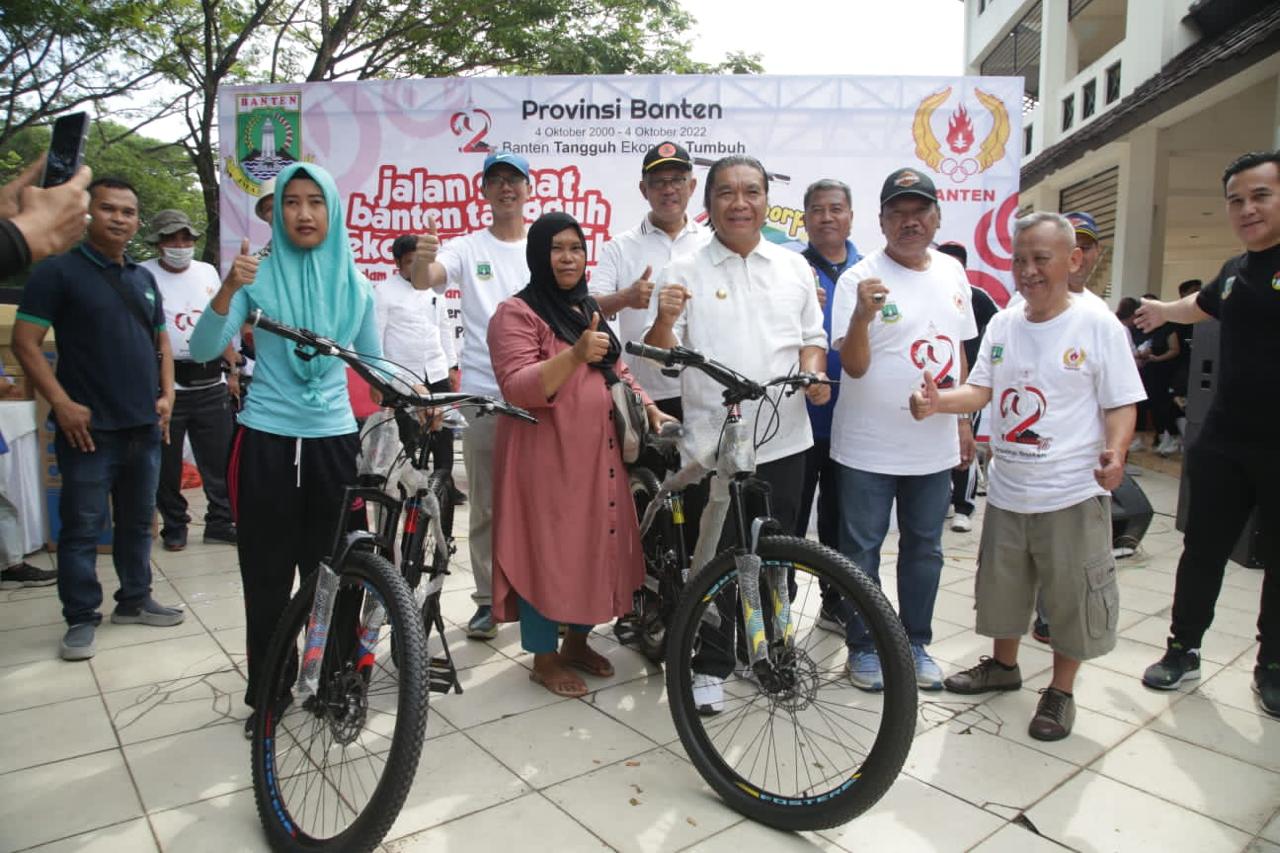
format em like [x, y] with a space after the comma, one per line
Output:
[297, 443]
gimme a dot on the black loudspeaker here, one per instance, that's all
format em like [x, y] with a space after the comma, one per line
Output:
[1201, 382]
[1131, 514]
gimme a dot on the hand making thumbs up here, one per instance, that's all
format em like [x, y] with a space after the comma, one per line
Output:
[640, 291]
[592, 344]
[925, 402]
[243, 269]
[428, 243]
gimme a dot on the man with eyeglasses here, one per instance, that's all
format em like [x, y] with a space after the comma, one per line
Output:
[623, 278]
[487, 267]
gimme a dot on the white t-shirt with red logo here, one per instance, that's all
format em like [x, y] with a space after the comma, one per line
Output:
[185, 296]
[1051, 384]
[926, 318]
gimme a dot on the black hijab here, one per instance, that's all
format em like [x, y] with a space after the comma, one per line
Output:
[567, 312]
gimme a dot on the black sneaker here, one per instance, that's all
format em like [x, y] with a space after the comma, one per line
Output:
[456, 496]
[174, 540]
[1177, 665]
[1040, 633]
[1266, 683]
[220, 535]
[25, 574]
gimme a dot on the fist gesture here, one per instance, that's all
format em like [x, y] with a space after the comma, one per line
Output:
[640, 291]
[428, 244]
[871, 296]
[592, 344]
[1110, 472]
[671, 300]
[243, 269]
[926, 401]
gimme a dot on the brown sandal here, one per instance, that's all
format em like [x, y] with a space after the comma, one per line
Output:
[600, 668]
[561, 687]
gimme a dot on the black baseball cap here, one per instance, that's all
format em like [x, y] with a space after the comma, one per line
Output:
[666, 154]
[907, 182]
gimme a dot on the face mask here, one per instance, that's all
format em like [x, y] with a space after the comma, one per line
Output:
[179, 258]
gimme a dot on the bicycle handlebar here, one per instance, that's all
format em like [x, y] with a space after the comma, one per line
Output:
[392, 396]
[737, 387]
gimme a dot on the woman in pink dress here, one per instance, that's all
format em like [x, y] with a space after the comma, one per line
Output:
[566, 544]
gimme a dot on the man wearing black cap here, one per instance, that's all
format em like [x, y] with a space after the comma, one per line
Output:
[623, 278]
[900, 312]
[487, 266]
[201, 407]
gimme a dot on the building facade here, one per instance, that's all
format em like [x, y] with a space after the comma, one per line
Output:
[1131, 110]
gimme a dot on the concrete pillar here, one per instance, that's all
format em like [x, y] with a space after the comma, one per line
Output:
[1135, 218]
[1053, 69]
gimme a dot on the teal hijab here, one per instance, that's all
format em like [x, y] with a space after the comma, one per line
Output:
[318, 289]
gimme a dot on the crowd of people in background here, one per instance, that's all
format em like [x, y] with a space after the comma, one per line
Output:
[152, 352]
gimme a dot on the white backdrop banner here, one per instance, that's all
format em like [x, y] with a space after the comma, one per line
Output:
[408, 149]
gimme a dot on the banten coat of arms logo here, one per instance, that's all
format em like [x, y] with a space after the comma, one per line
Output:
[958, 162]
[268, 137]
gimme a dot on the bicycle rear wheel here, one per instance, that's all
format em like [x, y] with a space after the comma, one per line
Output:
[809, 750]
[332, 772]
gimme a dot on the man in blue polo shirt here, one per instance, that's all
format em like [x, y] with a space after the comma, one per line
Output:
[111, 397]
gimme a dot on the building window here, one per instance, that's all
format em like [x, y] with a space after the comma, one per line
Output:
[1113, 83]
[1089, 99]
[1068, 111]
[982, 6]
[1018, 55]
[1026, 141]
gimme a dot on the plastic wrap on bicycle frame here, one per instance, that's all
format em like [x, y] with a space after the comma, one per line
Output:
[317, 635]
[380, 445]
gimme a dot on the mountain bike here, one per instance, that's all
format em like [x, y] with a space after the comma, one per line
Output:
[343, 698]
[796, 746]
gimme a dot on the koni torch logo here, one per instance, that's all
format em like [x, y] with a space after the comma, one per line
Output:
[471, 126]
[956, 162]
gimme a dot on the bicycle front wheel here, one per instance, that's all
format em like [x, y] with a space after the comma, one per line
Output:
[802, 748]
[331, 772]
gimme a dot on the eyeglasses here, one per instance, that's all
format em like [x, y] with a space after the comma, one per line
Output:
[504, 180]
[675, 182]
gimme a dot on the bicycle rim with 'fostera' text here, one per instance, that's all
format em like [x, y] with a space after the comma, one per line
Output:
[331, 771]
[802, 748]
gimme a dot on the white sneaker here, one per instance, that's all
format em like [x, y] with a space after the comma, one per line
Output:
[1136, 444]
[1169, 445]
[1122, 551]
[708, 694]
[961, 523]
[950, 512]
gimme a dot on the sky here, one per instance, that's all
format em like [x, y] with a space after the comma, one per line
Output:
[849, 37]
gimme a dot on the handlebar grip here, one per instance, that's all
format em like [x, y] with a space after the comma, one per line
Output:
[658, 354]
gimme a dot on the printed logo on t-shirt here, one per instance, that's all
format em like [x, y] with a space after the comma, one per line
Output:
[890, 313]
[1275, 281]
[1227, 285]
[957, 299]
[484, 270]
[1073, 358]
[1020, 410]
[997, 353]
[936, 354]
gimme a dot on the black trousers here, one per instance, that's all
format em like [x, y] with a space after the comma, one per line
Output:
[203, 415]
[785, 477]
[287, 497]
[1227, 479]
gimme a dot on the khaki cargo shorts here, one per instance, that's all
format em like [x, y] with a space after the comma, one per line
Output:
[1065, 553]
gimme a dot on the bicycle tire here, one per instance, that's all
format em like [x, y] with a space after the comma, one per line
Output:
[275, 742]
[649, 631]
[842, 793]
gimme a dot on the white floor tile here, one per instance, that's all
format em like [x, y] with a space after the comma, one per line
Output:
[492, 691]
[455, 778]
[542, 826]
[895, 822]
[572, 738]
[1016, 839]
[133, 836]
[1231, 686]
[1119, 695]
[1009, 714]
[1271, 831]
[162, 660]
[183, 768]
[1217, 786]
[27, 685]
[185, 704]
[217, 614]
[748, 835]
[1252, 738]
[641, 705]
[34, 803]
[53, 732]
[216, 825]
[654, 802]
[196, 588]
[1094, 813]
[1217, 646]
[30, 613]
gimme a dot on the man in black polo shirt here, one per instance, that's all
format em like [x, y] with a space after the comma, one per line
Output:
[1233, 466]
[111, 397]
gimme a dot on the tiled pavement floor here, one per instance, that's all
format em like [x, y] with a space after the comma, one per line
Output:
[140, 749]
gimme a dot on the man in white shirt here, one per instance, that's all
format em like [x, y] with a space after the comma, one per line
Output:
[1089, 242]
[487, 266]
[900, 311]
[1063, 389]
[622, 281]
[752, 306]
[201, 408]
[417, 335]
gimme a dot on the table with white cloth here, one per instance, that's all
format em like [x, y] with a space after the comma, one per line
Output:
[20, 471]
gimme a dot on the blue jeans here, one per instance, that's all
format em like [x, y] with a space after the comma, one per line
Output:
[126, 466]
[865, 501]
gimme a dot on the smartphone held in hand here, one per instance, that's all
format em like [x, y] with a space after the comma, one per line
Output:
[66, 148]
